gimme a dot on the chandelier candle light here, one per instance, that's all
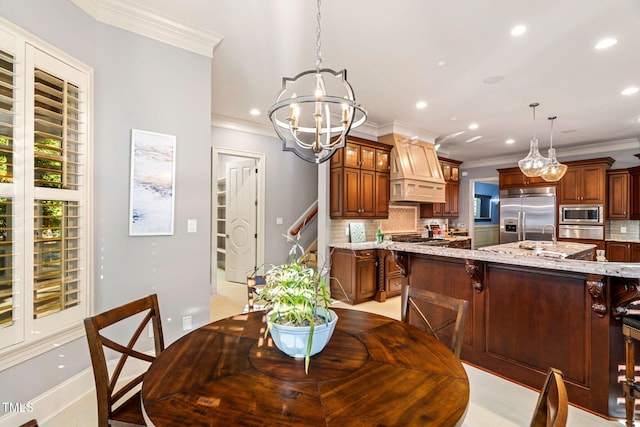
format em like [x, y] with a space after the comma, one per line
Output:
[315, 125]
[534, 163]
[553, 170]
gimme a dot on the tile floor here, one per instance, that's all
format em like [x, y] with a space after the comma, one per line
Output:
[494, 402]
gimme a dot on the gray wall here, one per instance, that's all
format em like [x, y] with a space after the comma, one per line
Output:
[141, 84]
[291, 186]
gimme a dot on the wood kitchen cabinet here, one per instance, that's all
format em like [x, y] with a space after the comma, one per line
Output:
[622, 251]
[635, 252]
[353, 275]
[618, 194]
[514, 178]
[450, 208]
[359, 180]
[584, 182]
[634, 193]
[389, 276]
[618, 251]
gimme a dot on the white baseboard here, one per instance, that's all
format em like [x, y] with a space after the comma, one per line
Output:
[61, 397]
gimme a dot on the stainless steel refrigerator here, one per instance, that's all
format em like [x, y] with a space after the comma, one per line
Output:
[525, 212]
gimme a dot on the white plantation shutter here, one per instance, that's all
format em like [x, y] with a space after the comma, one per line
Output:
[11, 292]
[44, 212]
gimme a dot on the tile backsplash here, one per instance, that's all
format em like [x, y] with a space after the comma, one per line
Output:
[402, 220]
[614, 230]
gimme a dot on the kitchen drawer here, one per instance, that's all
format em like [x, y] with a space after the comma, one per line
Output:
[394, 286]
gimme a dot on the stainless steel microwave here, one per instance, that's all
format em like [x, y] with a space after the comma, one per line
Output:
[581, 214]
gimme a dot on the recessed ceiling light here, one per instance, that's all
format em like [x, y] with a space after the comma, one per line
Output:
[493, 79]
[605, 43]
[440, 63]
[254, 112]
[421, 105]
[473, 126]
[630, 91]
[568, 131]
[475, 138]
[518, 30]
[453, 119]
[510, 141]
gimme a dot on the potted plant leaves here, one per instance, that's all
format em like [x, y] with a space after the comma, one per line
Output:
[297, 301]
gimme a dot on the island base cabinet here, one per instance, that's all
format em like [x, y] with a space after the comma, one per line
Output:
[532, 325]
[523, 320]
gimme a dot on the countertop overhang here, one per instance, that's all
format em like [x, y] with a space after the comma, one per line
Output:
[615, 269]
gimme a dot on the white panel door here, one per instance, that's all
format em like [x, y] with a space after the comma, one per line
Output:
[241, 221]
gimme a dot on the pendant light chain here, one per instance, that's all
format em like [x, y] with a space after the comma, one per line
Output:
[318, 33]
[551, 135]
[533, 107]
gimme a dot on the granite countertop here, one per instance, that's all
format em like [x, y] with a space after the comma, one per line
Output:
[540, 249]
[625, 240]
[385, 244]
[616, 269]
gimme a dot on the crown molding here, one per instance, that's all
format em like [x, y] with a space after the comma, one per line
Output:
[566, 153]
[400, 128]
[123, 14]
[232, 123]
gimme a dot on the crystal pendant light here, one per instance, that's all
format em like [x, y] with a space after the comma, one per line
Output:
[533, 164]
[553, 170]
[315, 110]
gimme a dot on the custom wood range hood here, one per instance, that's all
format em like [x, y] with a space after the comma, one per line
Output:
[415, 175]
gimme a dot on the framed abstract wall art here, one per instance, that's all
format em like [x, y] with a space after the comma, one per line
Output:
[151, 196]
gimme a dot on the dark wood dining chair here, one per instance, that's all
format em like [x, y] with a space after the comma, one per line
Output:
[414, 298]
[254, 286]
[553, 404]
[115, 408]
[30, 423]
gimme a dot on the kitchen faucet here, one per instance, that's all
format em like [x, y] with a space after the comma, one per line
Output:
[553, 230]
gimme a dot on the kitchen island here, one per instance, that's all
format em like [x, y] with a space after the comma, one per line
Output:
[528, 313]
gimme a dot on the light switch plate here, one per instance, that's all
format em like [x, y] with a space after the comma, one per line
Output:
[623, 229]
[192, 225]
[187, 323]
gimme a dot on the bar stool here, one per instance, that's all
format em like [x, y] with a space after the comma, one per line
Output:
[631, 332]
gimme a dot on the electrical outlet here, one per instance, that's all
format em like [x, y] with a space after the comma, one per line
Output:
[186, 323]
[623, 229]
[346, 231]
[279, 220]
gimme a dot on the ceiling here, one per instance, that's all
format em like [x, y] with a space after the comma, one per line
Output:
[445, 53]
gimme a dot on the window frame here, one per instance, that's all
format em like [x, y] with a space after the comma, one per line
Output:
[30, 52]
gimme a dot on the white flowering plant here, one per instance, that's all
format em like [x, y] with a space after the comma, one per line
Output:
[293, 292]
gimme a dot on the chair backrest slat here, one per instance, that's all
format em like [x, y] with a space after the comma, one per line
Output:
[106, 391]
[411, 296]
[552, 407]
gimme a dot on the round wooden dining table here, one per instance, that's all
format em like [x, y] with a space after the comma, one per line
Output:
[375, 371]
